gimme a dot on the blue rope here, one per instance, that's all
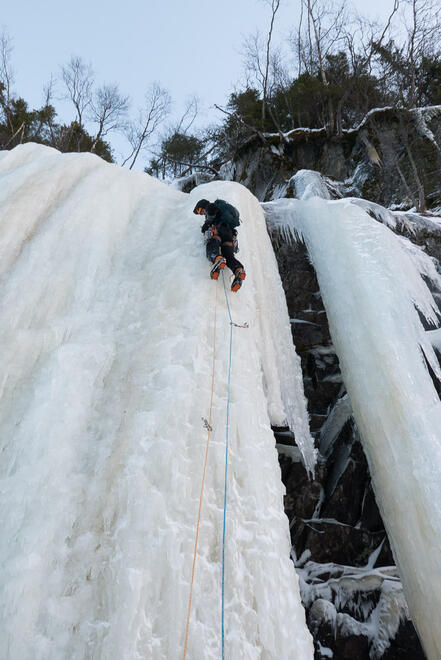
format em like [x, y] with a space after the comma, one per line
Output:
[226, 471]
[226, 297]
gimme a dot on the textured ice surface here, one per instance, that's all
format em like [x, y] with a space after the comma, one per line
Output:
[370, 283]
[308, 183]
[334, 424]
[106, 325]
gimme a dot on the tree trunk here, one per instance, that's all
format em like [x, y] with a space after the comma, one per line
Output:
[330, 127]
[422, 206]
[406, 187]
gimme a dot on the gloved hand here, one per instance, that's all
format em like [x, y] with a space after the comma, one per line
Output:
[205, 227]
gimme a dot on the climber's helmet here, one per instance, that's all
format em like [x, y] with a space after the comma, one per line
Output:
[201, 207]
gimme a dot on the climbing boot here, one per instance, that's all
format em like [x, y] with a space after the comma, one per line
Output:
[219, 264]
[239, 276]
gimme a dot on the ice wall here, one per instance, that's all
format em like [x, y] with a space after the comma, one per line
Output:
[370, 283]
[106, 325]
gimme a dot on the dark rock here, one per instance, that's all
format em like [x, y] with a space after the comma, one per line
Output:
[370, 516]
[406, 645]
[334, 542]
[354, 647]
[346, 501]
[302, 495]
[375, 160]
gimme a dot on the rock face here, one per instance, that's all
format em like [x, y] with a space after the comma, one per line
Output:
[350, 585]
[392, 158]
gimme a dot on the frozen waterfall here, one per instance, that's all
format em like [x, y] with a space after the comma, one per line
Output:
[371, 286]
[106, 322]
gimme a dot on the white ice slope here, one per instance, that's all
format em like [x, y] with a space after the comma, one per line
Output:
[106, 326]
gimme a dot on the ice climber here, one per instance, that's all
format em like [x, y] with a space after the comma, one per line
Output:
[221, 220]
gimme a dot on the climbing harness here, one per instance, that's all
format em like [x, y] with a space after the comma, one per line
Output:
[207, 424]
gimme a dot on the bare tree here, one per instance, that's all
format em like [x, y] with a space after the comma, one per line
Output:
[47, 112]
[257, 65]
[155, 110]
[320, 31]
[6, 76]
[423, 38]
[297, 40]
[252, 50]
[48, 91]
[108, 109]
[327, 25]
[362, 37]
[188, 116]
[78, 78]
[325, 29]
[177, 139]
[274, 4]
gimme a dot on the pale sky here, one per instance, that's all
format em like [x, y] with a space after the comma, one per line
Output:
[189, 46]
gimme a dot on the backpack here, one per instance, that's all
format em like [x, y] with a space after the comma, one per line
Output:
[229, 215]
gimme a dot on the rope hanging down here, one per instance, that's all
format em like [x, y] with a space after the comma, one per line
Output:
[207, 425]
[232, 324]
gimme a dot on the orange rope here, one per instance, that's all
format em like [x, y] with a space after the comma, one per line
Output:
[203, 482]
